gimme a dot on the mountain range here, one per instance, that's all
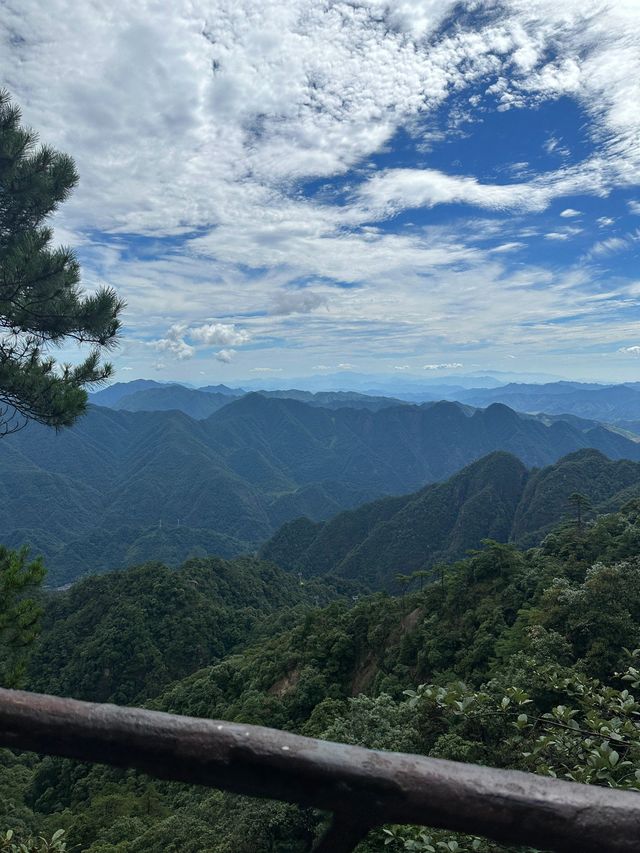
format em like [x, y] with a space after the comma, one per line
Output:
[123, 487]
[609, 403]
[617, 405]
[493, 498]
[147, 396]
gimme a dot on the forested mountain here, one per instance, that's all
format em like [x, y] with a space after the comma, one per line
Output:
[586, 402]
[491, 664]
[337, 399]
[113, 393]
[195, 403]
[494, 498]
[609, 403]
[124, 487]
[144, 395]
[147, 626]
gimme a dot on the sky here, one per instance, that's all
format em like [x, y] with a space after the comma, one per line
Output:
[281, 188]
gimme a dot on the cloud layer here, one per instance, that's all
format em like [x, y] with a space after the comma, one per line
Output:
[274, 182]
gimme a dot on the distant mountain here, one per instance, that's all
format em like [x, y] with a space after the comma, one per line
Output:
[120, 486]
[398, 383]
[111, 395]
[596, 402]
[612, 404]
[495, 497]
[197, 404]
[336, 399]
[222, 389]
[373, 384]
[101, 549]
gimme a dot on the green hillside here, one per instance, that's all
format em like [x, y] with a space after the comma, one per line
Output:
[144, 395]
[490, 664]
[494, 498]
[125, 635]
[234, 478]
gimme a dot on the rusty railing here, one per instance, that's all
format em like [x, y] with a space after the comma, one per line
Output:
[363, 788]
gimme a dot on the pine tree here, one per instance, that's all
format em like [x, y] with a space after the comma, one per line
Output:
[19, 612]
[581, 504]
[42, 304]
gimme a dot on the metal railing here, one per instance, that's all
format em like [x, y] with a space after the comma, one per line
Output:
[363, 788]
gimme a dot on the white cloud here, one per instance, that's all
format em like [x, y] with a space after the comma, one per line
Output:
[257, 94]
[613, 245]
[225, 355]
[508, 247]
[551, 144]
[569, 213]
[401, 367]
[345, 365]
[445, 366]
[607, 247]
[396, 189]
[219, 334]
[175, 343]
[632, 350]
[565, 233]
[266, 370]
[634, 207]
[389, 192]
[199, 117]
[605, 221]
[209, 334]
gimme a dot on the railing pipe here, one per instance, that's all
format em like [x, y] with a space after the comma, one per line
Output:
[363, 787]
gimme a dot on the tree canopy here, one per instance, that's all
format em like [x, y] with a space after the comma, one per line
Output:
[19, 613]
[42, 304]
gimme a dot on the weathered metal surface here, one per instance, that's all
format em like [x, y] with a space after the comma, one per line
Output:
[366, 786]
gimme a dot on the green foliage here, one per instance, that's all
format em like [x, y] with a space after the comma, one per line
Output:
[580, 504]
[510, 659]
[492, 498]
[425, 841]
[166, 487]
[19, 612]
[41, 302]
[12, 843]
[126, 635]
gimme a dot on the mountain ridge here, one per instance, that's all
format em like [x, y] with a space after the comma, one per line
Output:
[495, 497]
[245, 470]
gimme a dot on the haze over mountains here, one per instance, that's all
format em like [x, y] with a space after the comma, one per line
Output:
[611, 403]
[618, 405]
[123, 486]
[146, 395]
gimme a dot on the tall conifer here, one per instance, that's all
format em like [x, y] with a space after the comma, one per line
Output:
[42, 304]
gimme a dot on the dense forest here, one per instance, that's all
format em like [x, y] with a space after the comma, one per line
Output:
[121, 488]
[495, 498]
[508, 657]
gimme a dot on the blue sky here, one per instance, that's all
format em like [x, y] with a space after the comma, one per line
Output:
[282, 187]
